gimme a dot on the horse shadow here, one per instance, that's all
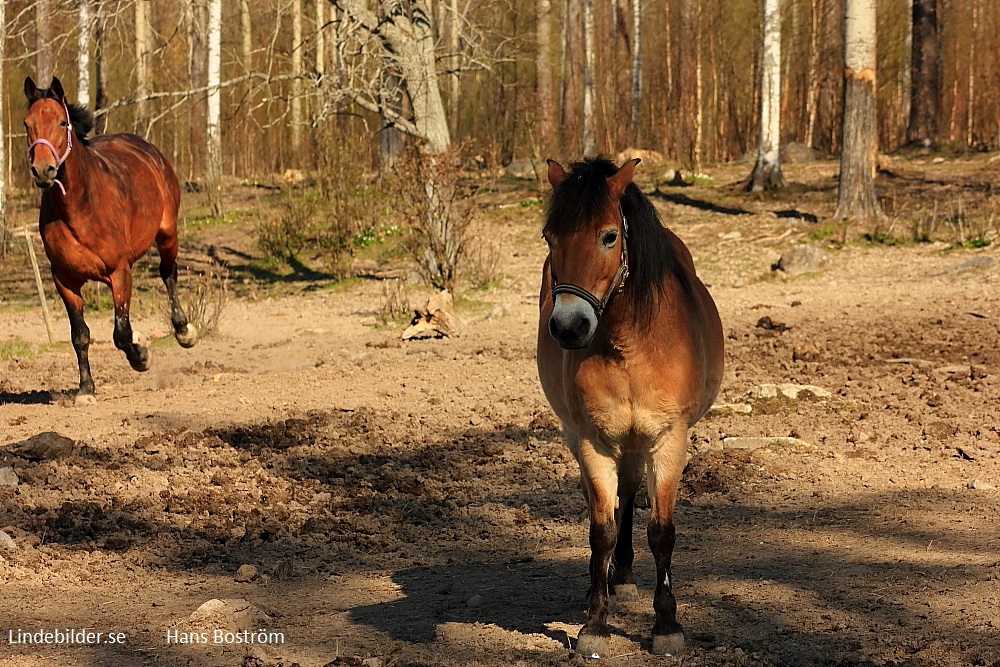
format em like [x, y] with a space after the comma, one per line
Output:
[33, 397]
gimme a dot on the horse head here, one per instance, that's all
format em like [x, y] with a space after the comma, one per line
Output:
[587, 235]
[49, 129]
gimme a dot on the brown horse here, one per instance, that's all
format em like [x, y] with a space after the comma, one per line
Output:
[104, 201]
[627, 372]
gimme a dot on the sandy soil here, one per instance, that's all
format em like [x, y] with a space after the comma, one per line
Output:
[412, 504]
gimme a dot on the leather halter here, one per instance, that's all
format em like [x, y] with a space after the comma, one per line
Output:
[55, 153]
[617, 283]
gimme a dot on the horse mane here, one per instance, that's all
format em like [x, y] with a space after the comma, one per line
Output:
[583, 195]
[80, 117]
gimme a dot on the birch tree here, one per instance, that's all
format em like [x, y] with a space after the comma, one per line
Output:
[197, 76]
[213, 129]
[766, 174]
[100, 69]
[401, 40]
[84, 26]
[43, 42]
[925, 78]
[856, 198]
[589, 140]
[4, 232]
[636, 69]
[143, 47]
[296, 101]
[545, 113]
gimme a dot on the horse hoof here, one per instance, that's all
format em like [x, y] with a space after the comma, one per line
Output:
[672, 644]
[83, 400]
[626, 592]
[591, 646]
[188, 336]
[142, 363]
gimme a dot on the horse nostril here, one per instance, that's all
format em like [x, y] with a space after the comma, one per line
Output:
[50, 170]
[34, 172]
[554, 327]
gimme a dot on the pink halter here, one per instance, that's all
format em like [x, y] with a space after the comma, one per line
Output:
[48, 144]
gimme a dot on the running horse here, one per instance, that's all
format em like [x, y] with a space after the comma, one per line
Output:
[105, 200]
[630, 356]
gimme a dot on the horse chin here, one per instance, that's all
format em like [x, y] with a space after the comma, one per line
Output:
[43, 185]
[573, 345]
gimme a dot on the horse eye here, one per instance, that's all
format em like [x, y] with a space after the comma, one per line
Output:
[62, 123]
[609, 239]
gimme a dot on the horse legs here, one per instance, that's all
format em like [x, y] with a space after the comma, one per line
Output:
[184, 332]
[80, 334]
[629, 478]
[599, 475]
[121, 293]
[665, 463]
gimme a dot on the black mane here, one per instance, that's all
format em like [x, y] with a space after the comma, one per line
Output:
[583, 195]
[80, 117]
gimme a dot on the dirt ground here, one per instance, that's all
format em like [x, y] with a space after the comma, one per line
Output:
[412, 503]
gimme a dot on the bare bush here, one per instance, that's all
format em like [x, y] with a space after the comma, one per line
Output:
[482, 262]
[437, 208]
[206, 299]
[395, 300]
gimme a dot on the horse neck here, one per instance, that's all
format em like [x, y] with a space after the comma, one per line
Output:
[73, 174]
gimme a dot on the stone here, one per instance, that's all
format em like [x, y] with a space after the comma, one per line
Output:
[45, 446]
[8, 477]
[974, 484]
[246, 573]
[523, 169]
[788, 390]
[7, 543]
[801, 259]
[762, 442]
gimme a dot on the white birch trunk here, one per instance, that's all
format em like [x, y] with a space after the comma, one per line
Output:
[545, 97]
[296, 102]
[455, 44]
[636, 69]
[213, 133]
[84, 22]
[766, 174]
[320, 37]
[589, 140]
[142, 48]
[856, 196]
[246, 33]
[4, 232]
[812, 96]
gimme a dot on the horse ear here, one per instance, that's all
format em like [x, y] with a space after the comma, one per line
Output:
[623, 176]
[56, 87]
[29, 87]
[556, 173]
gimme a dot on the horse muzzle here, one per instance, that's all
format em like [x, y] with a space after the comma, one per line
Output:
[573, 322]
[44, 175]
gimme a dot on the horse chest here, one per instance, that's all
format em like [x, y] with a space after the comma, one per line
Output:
[623, 407]
[69, 255]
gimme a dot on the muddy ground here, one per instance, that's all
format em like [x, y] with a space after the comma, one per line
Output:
[412, 504]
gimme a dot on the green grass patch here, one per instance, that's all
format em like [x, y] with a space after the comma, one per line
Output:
[16, 349]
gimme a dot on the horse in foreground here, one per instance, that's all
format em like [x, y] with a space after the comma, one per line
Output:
[104, 201]
[630, 356]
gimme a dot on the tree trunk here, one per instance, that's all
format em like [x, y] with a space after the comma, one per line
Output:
[198, 77]
[455, 45]
[687, 80]
[923, 127]
[766, 174]
[636, 71]
[970, 122]
[4, 231]
[545, 113]
[100, 71]
[213, 130]
[856, 198]
[589, 140]
[320, 37]
[246, 34]
[84, 24]
[296, 101]
[43, 42]
[143, 47]
[572, 85]
[409, 44]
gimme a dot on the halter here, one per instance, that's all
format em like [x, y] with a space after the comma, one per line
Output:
[48, 144]
[617, 283]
